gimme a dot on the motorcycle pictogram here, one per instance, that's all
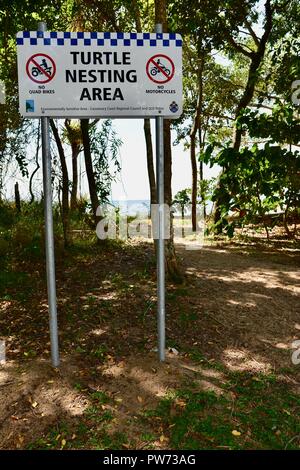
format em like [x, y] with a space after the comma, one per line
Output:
[155, 70]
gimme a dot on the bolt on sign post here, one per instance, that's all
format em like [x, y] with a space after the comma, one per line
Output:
[89, 75]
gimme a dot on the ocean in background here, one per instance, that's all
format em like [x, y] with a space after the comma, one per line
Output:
[132, 206]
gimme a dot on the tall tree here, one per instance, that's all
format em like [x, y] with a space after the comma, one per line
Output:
[84, 124]
[256, 57]
[147, 126]
[37, 167]
[65, 181]
[171, 260]
[74, 136]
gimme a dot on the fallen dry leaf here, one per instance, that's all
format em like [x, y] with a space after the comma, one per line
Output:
[180, 403]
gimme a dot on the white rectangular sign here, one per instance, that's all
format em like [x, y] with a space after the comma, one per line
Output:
[66, 74]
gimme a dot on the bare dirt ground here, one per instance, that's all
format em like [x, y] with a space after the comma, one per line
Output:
[238, 307]
[250, 298]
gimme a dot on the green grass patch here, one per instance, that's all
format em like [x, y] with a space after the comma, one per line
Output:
[262, 414]
[10, 282]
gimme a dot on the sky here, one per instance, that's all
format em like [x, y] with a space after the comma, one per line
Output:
[133, 181]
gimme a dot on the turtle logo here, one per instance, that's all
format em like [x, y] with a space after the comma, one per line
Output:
[30, 106]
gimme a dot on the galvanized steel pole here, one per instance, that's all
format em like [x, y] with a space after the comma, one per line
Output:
[49, 238]
[159, 128]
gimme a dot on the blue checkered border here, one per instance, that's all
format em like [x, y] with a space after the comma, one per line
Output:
[48, 38]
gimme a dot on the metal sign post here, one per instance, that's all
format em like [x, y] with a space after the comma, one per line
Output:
[159, 131]
[49, 238]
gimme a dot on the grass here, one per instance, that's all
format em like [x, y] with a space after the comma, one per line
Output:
[196, 356]
[91, 431]
[260, 414]
[100, 352]
[9, 285]
[185, 318]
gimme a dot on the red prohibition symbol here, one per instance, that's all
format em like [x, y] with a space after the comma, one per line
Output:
[160, 68]
[40, 68]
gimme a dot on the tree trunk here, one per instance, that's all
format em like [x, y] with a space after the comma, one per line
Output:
[194, 162]
[170, 256]
[172, 267]
[201, 138]
[202, 193]
[218, 213]
[182, 221]
[84, 124]
[195, 128]
[256, 60]
[37, 165]
[285, 223]
[65, 182]
[150, 164]
[75, 138]
[201, 171]
[161, 14]
[194, 180]
[147, 126]
[17, 197]
[74, 191]
[247, 96]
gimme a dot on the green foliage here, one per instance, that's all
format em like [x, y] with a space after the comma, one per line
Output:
[105, 149]
[279, 126]
[257, 181]
[285, 62]
[182, 199]
[212, 20]
[23, 234]
[206, 189]
[212, 30]
[7, 215]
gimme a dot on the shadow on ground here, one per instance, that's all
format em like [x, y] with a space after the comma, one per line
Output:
[232, 321]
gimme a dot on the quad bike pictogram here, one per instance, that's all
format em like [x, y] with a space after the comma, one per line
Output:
[36, 71]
